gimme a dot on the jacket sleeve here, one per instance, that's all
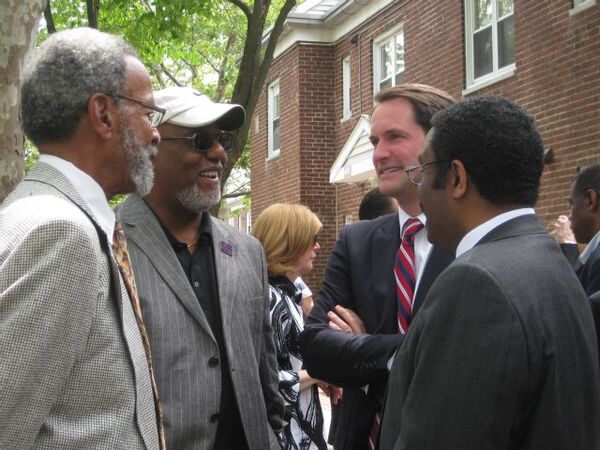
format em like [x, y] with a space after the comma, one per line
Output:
[342, 358]
[47, 305]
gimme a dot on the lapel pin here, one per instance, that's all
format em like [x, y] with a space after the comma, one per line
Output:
[226, 248]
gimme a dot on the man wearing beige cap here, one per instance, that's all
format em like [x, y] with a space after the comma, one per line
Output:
[202, 287]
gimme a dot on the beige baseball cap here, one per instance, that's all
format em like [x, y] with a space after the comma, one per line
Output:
[189, 108]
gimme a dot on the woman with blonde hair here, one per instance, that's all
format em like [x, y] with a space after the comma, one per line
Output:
[288, 234]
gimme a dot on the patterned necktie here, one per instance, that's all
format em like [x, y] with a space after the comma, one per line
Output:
[122, 257]
[404, 274]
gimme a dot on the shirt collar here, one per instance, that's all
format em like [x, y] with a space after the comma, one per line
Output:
[88, 189]
[205, 230]
[476, 234]
[403, 216]
[585, 255]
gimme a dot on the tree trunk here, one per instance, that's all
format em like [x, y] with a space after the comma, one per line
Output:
[18, 28]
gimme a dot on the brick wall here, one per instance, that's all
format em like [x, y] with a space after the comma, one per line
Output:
[558, 65]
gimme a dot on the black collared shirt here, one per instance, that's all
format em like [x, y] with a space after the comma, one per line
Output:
[201, 272]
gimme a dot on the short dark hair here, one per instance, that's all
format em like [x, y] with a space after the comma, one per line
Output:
[68, 68]
[425, 100]
[498, 143]
[374, 204]
[587, 178]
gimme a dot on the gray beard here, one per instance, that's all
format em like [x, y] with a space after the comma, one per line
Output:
[193, 199]
[139, 164]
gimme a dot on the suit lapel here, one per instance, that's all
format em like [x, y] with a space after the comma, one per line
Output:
[385, 243]
[48, 175]
[226, 260]
[438, 260]
[143, 228]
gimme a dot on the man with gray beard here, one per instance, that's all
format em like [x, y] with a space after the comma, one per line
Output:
[203, 288]
[74, 370]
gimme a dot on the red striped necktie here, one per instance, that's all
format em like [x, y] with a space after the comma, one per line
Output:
[405, 276]
[404, 273]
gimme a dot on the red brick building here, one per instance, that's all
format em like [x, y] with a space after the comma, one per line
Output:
[309, 132]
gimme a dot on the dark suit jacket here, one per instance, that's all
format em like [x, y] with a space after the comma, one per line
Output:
[589, 273]
[502, 354]
[359, 276]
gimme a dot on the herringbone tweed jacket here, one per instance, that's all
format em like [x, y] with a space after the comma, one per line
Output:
[73, 373]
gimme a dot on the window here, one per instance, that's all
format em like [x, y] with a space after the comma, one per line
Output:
[581, 5]
[388, 60]
[346, 89]
[274, 124]
[490, 35]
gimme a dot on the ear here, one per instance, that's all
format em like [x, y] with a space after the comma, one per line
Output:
[458, 179]
[591, 198]
[102, 112]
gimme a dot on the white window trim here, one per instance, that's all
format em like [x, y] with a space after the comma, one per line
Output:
[582, 7]
[248, 222]
[377, 56]
[497, 74]
[346, 87]
[272, 89]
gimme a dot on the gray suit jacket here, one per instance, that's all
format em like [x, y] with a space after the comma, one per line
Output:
[502, 354]
[73, 372]
[183, 343]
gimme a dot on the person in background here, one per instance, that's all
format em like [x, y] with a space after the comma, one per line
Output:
[288, 234]
[203, 287]
[74, 371]
[375, 204]
[503, 353]
[582, 226]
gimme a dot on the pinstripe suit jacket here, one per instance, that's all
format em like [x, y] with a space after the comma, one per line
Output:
[73, 373]
[182, 341]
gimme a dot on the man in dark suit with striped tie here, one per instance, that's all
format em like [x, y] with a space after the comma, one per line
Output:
[377, 275]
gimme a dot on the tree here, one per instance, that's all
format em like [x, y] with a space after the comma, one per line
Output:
[214, 45]
[18, 28]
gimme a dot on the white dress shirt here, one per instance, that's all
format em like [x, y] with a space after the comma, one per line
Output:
[476, 234]
[89, 191]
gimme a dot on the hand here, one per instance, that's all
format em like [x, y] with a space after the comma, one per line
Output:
[333, 392]
[560, 230]
[344, 319]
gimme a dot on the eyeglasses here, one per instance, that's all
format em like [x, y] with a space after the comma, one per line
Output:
[415, 173]
[203, 141]
[155, 116]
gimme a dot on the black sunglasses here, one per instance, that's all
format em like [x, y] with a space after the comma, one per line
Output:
[203, 141]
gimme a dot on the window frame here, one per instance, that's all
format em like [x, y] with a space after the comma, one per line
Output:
[346, 87]
[378, 43]
[498, 73]
[582, 6]
[273, 91]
